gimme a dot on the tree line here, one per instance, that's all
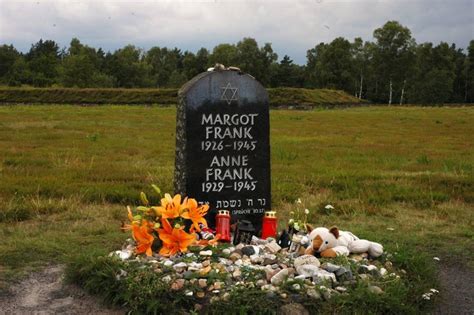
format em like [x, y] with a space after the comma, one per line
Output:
[392, 68]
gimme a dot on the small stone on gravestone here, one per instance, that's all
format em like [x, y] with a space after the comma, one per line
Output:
[222, 144]
[306, 260]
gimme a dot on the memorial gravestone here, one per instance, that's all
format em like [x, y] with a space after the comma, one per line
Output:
[222, 145]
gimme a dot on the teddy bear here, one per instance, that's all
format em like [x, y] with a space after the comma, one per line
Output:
[333, 242]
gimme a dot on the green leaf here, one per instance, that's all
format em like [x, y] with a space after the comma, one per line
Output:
[137, 217]
[142, 208]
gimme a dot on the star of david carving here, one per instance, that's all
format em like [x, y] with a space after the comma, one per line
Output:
[229, 93]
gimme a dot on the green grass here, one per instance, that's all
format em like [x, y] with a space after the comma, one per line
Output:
[67, 173]
[278, 96]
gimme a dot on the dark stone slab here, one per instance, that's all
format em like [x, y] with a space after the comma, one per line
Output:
[222, 145]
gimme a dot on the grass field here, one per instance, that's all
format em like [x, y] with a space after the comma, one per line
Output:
[67, 173]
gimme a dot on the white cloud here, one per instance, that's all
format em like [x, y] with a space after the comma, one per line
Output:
[291, 26]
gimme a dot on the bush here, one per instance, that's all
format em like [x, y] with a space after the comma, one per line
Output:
[278, 96]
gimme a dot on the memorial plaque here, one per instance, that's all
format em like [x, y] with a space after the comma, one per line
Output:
[222, 146]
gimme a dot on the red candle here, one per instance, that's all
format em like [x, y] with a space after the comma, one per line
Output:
[223, 225]
[269, 225]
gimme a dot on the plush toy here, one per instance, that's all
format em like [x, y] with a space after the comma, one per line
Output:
[332, 242]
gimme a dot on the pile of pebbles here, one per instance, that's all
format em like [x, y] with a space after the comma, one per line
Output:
[214, 272]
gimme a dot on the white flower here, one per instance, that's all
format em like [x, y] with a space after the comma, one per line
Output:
[296, 226]
[329, 207]
[298, 201]
[390, 229]
[306, 211]
[436, 258]
[434, 291]
[426, 296]
[291, 221]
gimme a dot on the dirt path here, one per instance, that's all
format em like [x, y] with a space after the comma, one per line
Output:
[45, 293]
[457, 289]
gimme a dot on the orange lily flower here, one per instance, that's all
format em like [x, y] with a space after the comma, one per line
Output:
[195, 214]
[143, 238]
[174, 240]
[170, 207]
[125, 226]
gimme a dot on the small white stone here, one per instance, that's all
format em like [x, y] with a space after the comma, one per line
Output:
[225, 262]
[122, 254]
[323, 275]
[168, 263]
[279, 277]
[195, 265]
[307, 270]
[266, 287]
[306, 260]
[341, 289]
[202, 283]
[180, 266]
[205, 253]
[122, 274]
[273, 247]
[313, 293]
[256, 259]
[375, 289]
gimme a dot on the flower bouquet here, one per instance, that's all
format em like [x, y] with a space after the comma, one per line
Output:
[171, 227]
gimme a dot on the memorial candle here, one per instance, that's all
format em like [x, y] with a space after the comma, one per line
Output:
[269, 225]
[223, 225]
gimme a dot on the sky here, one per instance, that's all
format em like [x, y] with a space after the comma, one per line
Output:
[291, 26]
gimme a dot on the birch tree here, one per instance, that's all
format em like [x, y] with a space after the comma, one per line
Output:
[394, 56]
